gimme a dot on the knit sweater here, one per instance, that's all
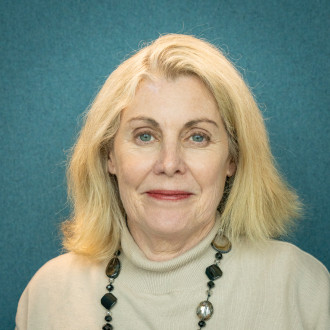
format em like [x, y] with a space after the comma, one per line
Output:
[272, 285]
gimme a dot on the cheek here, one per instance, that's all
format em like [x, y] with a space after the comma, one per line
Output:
[132, 167]
[210, 173]
[210, 167]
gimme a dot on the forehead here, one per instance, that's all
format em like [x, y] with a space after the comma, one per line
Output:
[183, 98]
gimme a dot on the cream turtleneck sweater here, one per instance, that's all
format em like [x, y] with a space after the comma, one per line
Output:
[273, 285]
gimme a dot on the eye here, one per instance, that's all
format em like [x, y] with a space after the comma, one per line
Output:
[198, 138]
[145, 137]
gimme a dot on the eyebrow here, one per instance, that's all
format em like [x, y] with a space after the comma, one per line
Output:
[200, 120]
[189, 124]
[148, 120]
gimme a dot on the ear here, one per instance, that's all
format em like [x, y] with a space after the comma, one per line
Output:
[111, 163]
[231, 170]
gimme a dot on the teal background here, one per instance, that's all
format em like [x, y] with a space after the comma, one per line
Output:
[55, 55]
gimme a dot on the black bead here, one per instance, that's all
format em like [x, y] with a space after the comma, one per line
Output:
[107, 326]
[202, 324]
[218, 255]
[213, 272]
[210, 284]
[108, 300]
[108, 318]
[117, 254]
[109, 287]
[113, 268]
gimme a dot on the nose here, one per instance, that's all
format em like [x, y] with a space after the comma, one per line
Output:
[170, 160]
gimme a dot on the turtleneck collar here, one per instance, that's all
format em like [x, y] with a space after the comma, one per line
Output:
[182, 272]
[137, 257]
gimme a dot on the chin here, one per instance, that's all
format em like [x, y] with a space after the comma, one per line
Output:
[170, 222]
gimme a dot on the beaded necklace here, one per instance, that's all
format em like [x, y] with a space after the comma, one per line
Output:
[204, 310]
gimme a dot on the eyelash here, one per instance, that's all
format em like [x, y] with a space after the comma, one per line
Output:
[202, 134]
[206, 137]
[140, 133]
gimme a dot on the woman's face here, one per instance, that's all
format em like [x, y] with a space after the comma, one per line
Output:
[171, 158]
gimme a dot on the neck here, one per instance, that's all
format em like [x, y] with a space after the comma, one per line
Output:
[165, 246]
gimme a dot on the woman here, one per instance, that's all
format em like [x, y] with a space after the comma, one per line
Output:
[173, 182]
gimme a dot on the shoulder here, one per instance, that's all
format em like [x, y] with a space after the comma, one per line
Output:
[55, 288]
[282, 253]
[60, 266]
[284, 265]
[303, 270]
[295, 260]
[290, 276]
[63, 271]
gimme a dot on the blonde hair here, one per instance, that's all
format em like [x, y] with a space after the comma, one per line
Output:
[258, 204]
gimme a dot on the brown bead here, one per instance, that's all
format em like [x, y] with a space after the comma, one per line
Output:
[113, 268]
[221, 243]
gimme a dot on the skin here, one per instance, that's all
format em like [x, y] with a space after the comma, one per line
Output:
[171, 160]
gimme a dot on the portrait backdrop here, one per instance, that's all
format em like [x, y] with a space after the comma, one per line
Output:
[55, 55]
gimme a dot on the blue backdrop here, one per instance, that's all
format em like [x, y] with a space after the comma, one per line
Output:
[55, 56]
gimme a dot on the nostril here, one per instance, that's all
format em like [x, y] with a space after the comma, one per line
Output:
[170, 162]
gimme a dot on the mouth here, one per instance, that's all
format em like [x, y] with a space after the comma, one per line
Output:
[170, 195]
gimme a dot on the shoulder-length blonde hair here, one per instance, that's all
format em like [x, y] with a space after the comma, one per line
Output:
[258, 204]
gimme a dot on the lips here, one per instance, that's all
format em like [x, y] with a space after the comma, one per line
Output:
[171, 195]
